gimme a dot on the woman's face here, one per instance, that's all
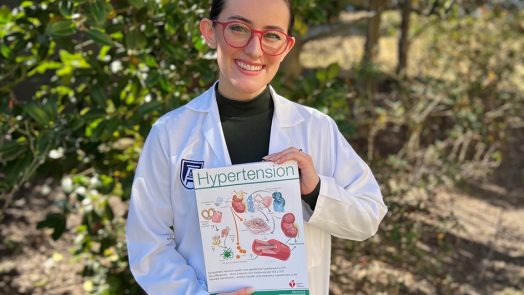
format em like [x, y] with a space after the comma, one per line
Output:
[245, 72]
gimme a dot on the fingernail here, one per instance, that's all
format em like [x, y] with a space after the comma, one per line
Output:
[265, 158]
[250, 290]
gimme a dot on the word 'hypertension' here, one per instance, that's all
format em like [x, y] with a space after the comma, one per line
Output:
[208, 180]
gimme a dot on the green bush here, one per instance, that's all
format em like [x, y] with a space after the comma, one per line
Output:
[110, 68]
[105, 71]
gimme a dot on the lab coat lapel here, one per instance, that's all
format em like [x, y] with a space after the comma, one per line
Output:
[279, 140]
[285, 117]
[213, 134]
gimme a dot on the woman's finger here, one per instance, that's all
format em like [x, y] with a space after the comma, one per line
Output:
[286, 155]
[308, 174]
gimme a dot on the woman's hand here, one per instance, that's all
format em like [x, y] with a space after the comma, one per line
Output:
[244, 291]
[308, 175]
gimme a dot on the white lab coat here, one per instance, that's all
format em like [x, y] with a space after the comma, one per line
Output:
[349, 205]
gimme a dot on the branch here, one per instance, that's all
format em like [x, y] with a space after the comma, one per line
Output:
[340, 28]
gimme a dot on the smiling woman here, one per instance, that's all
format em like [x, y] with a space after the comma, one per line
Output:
[241, 119]
[245, 65]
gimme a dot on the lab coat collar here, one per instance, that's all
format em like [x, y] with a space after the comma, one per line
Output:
[212, 128]
[286, 115]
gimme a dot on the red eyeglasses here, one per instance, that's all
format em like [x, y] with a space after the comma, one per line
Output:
[238, 35]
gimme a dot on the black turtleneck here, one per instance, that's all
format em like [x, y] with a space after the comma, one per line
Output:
[246, 126]
[247, 130]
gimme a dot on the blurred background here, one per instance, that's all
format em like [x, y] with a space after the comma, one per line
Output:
[428, 92]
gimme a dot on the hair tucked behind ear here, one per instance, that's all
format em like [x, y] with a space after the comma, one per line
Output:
[218, 5]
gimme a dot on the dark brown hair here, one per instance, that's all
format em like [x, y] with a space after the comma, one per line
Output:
[218, 5]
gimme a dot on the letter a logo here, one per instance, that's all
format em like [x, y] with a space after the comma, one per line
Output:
[186, 172]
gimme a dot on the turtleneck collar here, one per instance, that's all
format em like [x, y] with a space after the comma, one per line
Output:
[235, 108]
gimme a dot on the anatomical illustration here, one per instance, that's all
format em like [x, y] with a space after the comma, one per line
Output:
[248, 225]
[272, 248]
[288, 226]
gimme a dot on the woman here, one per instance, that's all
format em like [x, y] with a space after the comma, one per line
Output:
[241, 119]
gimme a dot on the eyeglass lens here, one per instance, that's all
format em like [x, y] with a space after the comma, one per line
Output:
[239, 35]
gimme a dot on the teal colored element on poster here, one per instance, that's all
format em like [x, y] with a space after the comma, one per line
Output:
[280, 292]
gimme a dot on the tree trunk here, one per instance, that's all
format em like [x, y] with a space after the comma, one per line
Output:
[291, 66]
[371, 47]
[403, 42]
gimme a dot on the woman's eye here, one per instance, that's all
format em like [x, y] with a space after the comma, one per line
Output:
[239, 28]
[273, 36]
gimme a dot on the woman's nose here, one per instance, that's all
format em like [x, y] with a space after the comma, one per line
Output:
[254, 47]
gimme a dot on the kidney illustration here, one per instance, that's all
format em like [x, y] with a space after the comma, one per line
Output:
[288, 226]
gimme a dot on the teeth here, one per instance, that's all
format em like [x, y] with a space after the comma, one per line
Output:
[249, 67]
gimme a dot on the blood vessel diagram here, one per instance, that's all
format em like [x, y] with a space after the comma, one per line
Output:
[272, 248]
[249, 225]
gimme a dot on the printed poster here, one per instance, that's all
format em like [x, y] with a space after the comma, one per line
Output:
[252, 228]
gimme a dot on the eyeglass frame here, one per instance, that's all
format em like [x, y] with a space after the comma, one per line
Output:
[261, 33]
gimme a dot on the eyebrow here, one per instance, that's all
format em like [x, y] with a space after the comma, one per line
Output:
[243, 19]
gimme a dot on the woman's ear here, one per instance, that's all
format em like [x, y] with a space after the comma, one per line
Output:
[208, 32]
[288, 49]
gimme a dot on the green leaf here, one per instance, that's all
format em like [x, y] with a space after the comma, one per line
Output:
[97, 12]
[15, 170]
[66, 8]
[92, 127]
[37, 113]
[332, 71]
[105, 129]
[152, 79]
[100, 37]
[12, 149]
[136, 40]
[151, 61]
[137, 3]
[164, 84]
[5, 51]
[25, 4]
[148, 108]
[44, 66]
[55, 221]
[321, 76]
[61, 28]
[99, 95]
[169, 48]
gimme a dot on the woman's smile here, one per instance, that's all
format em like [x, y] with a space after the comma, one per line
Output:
[250, 67]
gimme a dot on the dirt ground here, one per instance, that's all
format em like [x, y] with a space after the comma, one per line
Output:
[31, 262]
[485, 255]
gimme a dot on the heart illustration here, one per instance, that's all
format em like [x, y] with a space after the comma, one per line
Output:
[217, 217]
[238, 204]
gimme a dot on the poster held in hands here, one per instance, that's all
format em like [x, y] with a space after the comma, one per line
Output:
[252, 228]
